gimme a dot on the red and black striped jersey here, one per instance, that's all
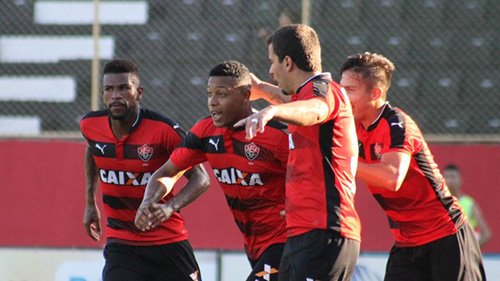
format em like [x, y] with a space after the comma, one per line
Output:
[322, 164]
[251, 174]
[125, 166]
[423, 209]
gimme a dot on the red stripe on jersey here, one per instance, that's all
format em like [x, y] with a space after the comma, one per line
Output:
[422, 210]
[322, 164]
[251, 174]
[124, 167]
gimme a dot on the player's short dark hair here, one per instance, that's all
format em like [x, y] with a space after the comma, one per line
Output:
[451, 167]
[374, 68]
[121, 66]
[301, 43]
[231, 68]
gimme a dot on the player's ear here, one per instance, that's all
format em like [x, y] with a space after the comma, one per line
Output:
[288, 63]
[247, 91]
[140, 93]
[376, 92]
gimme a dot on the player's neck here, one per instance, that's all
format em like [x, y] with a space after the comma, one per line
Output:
[373, 115]
[122, 127]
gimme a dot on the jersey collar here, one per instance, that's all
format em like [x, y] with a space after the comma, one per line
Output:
[320, 76]
[374, 124]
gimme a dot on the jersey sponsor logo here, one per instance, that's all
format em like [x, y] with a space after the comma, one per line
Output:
[251, 151]
[235, 176]
[100, 147]
[291, 145]
[214, 143]
[266, 273]
[145, 152]
[124, 177]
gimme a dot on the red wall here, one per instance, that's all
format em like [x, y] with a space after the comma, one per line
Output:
[42, 198]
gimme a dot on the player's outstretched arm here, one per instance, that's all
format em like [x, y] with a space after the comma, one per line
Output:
[300, 113]
[267, 91]
[91, 217]
[150, 213]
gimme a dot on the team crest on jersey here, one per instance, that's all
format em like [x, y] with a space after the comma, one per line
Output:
[251, 151]
[145, 152]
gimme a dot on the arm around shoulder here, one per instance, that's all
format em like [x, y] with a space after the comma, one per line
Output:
[389, 173]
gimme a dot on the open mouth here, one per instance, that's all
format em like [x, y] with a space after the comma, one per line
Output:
[216, 116]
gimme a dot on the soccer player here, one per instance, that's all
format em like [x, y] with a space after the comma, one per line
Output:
[322, 225]
[453, 178]
[432, 239]
[126, 144]
[251, 173]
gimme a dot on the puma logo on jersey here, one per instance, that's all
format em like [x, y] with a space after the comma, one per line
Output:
[400, 124]
[214, 143]
[101, 148]
[124, 177]
[235, 176]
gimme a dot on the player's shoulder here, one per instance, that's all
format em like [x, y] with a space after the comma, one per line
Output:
[155, 116]
[393, 114]
[203, 127]
[94, 114]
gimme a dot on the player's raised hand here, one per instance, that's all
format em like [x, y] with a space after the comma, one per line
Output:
[92, 222]
[257, 92]
[256, 122]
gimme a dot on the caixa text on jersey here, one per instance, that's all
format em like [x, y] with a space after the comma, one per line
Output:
[124, 177]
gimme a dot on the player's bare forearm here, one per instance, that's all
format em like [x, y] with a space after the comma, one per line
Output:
[198, 182]
[91, 178]
[267, 91]
[389, 173]
[162, 182]
[151, 214]
[159, 185]
[302, 113]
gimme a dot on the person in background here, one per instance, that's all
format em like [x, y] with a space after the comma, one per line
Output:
[126, 144]
[251, 173]
[322, 224]
[287, 16]
[433, 240]
[470, 207]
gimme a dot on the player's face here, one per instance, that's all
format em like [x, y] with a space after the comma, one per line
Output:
[453, 180]
[121, 95]
[277, 71]
[359, 95]
[227, 102]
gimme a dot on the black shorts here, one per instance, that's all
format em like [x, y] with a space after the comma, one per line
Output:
[454, 257]
[319, 255]
[267, 266]
[168, 262]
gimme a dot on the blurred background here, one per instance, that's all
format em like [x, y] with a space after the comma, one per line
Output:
[447, 77]
[446, 53]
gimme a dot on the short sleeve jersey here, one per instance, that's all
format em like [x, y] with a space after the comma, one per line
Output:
[251, 174]
[422, 210]
[125, 166]
[320, 185]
